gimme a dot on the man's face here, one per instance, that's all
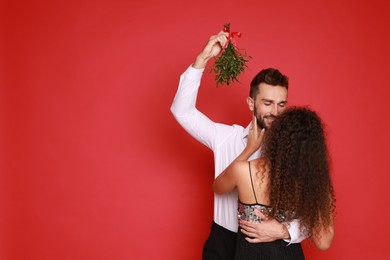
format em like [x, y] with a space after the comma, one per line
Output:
[268, 104]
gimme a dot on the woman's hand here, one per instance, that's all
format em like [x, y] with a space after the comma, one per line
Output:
[255, 137]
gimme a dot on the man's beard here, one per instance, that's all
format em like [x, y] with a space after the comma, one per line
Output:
[260, 120]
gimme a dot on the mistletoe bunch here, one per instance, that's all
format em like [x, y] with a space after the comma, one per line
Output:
[231, 62]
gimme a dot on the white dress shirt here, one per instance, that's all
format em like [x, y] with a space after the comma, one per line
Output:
[226, 142]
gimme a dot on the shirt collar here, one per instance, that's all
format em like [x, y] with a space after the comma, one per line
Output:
[245, 132]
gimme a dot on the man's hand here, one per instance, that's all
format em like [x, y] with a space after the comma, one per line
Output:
[212, 49]
[267, 230]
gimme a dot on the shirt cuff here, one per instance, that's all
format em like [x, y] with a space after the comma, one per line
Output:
[294, 231]
[194, 74]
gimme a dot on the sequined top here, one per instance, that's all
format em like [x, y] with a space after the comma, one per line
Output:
[247, 212]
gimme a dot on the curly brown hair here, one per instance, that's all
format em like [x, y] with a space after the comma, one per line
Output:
[299, 180]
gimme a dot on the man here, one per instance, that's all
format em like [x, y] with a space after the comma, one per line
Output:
[268, 98]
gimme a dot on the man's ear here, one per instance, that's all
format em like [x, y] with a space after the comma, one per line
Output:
[251, 103]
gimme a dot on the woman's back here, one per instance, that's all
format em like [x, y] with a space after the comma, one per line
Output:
[252, 182]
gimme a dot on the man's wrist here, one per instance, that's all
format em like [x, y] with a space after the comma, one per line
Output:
[286, 234]
[200, 62]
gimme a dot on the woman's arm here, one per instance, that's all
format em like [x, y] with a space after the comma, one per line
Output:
[323, 236]
[228, 179]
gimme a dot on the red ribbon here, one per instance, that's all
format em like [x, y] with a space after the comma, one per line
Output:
[231, 36]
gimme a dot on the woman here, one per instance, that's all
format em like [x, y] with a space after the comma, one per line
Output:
[290, 180]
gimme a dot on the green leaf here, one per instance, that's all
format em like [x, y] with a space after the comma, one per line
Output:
[230, 64]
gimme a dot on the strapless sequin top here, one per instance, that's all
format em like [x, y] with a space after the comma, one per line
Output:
[247, 212]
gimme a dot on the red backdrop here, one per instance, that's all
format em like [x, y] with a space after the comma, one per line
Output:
[95, 167]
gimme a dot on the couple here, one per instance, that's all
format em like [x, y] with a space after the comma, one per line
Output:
[293, 149]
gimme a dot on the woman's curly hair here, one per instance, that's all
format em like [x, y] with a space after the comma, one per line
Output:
[300, 184]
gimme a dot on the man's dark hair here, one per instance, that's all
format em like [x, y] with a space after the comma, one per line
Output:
[269, 76]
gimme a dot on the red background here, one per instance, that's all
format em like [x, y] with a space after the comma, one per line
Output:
[93, 164]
